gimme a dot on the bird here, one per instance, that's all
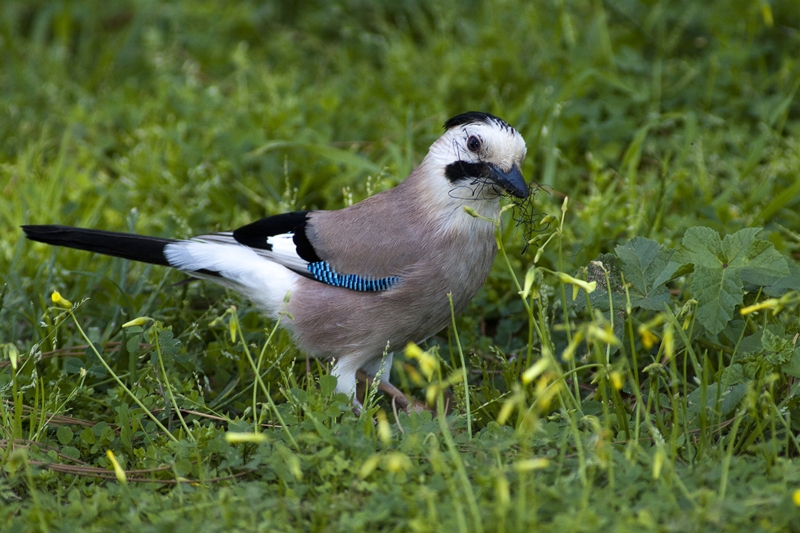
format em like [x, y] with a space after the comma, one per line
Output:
[355, 284]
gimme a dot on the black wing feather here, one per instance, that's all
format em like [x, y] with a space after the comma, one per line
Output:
[256, 234]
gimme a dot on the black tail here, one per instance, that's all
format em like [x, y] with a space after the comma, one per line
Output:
[125, 245]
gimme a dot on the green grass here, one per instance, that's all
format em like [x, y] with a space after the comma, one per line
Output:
[651, 404]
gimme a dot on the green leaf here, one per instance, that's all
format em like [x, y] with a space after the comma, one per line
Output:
[71, 452]
[169, 344]
[741, 246]
[73, 365]
[132, 344]
[762, 264]
[751, 344]
[124, 423]
[729, 398]
[64, 434]
[87, 436]
[778, 348]
[701, 246]
[779, 285]
[734, 374]
[792, 367]
[719, 266]
[647, 267]
[595, 272]
[718, 292]
[327, 384]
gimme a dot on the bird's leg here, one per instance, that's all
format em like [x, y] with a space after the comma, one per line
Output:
[398, 398]
[358, 407]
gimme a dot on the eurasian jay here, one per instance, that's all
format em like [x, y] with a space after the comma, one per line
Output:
[371, 275]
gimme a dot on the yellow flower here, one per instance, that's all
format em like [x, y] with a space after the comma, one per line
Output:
[648, 339]
[526, 465]
[616, 380]
[658, 462]
[535, 370]
[669, 342]
[430, 394]
[427, 363]
[569, 351]
[141, 321]
[502, 491]
[546, 391]
[603, 334]
[60, 300]
[766, 13]
[588, 286]
[796, 497]
[12, 353]
[530, 276]
[397, 462]
[369, 466]
[384, 430]
[505, 411]
[771, 303]
[236, 438]
[470, 211]
[118, 471]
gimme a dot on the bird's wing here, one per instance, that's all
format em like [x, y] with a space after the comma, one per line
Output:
[279, 238]
[283, 239]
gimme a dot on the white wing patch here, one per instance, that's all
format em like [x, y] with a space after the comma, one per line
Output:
[284, 251]
[261, 279]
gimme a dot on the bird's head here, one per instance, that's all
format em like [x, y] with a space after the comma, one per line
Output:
[481, 155]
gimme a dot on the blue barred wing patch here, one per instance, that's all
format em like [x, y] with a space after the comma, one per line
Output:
[322, 271]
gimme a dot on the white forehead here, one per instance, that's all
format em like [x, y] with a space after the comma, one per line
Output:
[501, 144]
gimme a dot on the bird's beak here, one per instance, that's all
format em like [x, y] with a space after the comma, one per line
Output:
[512, 182]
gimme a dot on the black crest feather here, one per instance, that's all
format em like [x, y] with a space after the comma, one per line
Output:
[471, 117]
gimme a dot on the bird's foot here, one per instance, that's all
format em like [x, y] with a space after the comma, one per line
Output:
[398, 398]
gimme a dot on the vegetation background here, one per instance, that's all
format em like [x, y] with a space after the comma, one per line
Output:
[665, 400]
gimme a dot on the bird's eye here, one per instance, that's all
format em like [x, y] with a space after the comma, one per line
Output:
[473, 143]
